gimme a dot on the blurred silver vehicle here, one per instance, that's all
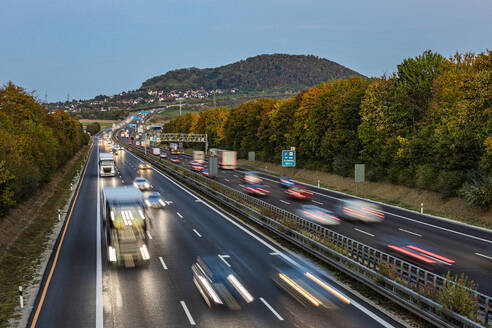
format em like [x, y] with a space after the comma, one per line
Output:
[318, 215]
[251, 177]
[359, 210]
[154, 200]
[141, 183]
[218, 284]
[307, 288]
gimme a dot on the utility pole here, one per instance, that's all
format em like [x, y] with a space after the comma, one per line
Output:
[214, 98]
[180, 108]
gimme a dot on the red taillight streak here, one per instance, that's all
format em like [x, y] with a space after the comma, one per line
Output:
[262, 189]
[321, 217]
[377, 213]
[331, 216]
[352, 211]
[417, 256]
[437, 256]
[316, 216]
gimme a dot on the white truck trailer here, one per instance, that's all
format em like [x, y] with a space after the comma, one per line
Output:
[227, 158]
[125, 223]
[106, 165]
[199, 156]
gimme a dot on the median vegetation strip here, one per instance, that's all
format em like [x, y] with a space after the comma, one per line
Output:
[29, 227]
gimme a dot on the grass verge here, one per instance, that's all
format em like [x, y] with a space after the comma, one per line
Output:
[103, 123]
[20, 262]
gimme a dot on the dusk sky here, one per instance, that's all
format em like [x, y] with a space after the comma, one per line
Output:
[86, 48]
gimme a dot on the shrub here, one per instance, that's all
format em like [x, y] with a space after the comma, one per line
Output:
[425, 176]
[478, 190]
[343, 164]
[457, 295]
[449, 182]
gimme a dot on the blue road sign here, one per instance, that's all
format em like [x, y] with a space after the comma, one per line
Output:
[288, 158]
[130, 125]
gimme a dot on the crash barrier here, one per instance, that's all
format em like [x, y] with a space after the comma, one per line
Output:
[362, 262]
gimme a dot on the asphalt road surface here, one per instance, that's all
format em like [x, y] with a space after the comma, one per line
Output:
[80, 289]
[452, 246]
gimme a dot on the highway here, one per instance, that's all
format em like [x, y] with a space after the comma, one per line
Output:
[80, 289]
[451, 246]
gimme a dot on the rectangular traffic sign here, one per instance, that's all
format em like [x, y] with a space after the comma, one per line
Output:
[288, 158]
[360, 170]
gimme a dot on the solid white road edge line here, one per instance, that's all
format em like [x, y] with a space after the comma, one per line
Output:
[223, 258]
[263, 242]
[162, 262]
[367, 233]
[99, 296]
[283, 201]
[271, 309]
[148, 234]
[197, 233]
[188, 314]
[488, 257]
[412, 233]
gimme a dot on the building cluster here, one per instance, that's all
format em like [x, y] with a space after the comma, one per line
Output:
[140, 97]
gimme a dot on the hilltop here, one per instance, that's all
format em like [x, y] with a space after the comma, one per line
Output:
[277, 72]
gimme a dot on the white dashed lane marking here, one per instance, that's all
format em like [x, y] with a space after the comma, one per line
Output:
[367, 233]
[412, 233]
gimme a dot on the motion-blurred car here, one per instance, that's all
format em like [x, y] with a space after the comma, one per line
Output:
[218, 284]
[359, 210]
[154, 200]
[163, 154]
[318, 215]
[196, 166]
[141, 183]
[205, 172]
[287, 182]
[298, 193]
[252, 178]
[256, 189]
[306, 287]
[174, 159]
[144, 166]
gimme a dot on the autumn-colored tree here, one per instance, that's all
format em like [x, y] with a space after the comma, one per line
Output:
[428, 125]
[243, 122]
[33, 144]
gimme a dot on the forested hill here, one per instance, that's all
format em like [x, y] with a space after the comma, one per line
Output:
[260, 73]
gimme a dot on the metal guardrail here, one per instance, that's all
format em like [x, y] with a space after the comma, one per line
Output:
[355, 259]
